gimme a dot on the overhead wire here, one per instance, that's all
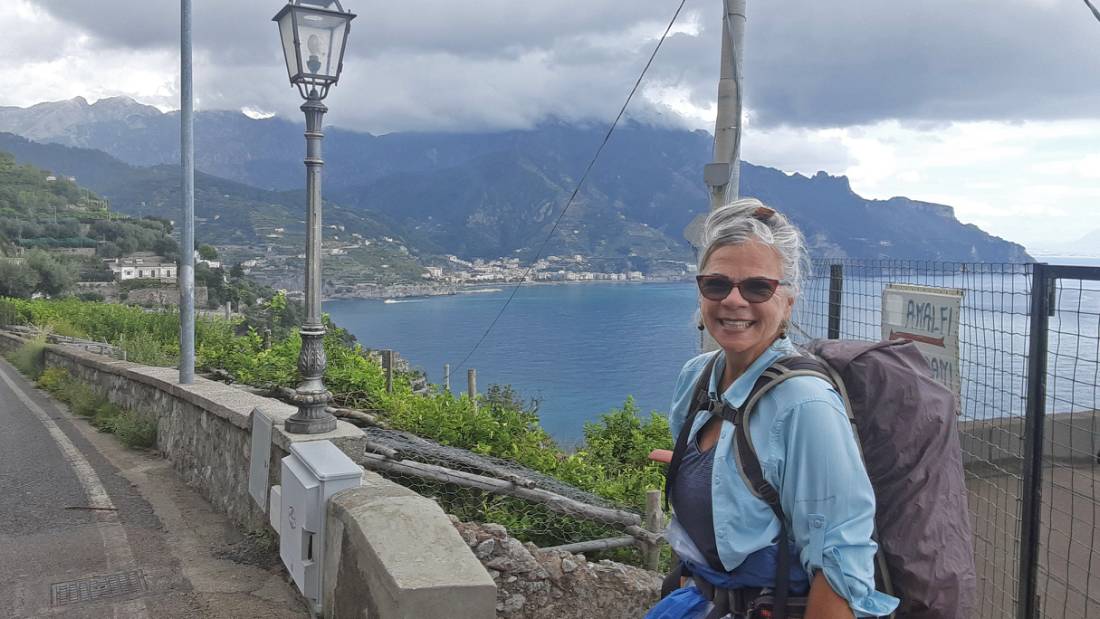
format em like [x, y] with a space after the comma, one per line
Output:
[1092, 8]
[580, 183]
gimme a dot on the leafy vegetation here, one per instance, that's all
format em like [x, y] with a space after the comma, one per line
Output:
[132, 428]
[29, 358]
[612, 462]
[53, 233]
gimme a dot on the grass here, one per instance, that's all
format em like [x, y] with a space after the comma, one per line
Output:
[147, 351]
[134, 429]
[30, 359]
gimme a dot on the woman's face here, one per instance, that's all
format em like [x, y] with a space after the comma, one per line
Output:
[745, 330]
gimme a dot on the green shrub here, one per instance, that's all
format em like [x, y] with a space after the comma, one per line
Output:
[55, 380]
[9, 313]
[104, 414]
[30, 358]
[83, 401]
[149, 351]
[132, 428]
[135, 430]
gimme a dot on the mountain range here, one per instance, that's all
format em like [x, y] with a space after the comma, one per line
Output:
[476, 195]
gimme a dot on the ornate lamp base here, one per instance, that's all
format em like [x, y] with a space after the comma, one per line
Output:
[311, 418]
[311, 395]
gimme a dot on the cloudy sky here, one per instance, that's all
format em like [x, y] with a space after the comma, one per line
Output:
[991, 106]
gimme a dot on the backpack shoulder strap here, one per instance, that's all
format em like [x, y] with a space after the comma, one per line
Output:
[747, 460]
[748, 463]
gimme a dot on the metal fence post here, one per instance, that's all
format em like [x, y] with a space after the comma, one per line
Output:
[447, 376]
[1041, 282]
[836, 299]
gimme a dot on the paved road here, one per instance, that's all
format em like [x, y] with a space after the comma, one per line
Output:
[91, 529]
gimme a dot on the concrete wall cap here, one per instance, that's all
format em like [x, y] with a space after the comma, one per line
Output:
[411, 536]
[225, 401]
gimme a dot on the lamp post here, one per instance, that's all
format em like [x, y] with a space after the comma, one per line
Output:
[313, 67]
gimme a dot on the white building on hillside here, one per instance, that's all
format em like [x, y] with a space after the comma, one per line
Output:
[142, 267]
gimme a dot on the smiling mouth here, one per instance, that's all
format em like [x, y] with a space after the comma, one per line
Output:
[737, 324]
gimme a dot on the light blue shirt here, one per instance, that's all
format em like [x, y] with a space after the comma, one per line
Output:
[806, 449]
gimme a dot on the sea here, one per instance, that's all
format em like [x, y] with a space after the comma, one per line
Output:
[579, 350]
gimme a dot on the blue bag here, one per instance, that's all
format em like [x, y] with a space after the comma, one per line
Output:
[683, 603]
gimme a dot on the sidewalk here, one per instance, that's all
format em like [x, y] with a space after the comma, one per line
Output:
[90, 528]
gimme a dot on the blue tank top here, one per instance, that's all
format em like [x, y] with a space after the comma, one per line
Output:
[691, 500]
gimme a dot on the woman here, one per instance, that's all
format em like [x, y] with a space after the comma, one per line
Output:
[750, 271]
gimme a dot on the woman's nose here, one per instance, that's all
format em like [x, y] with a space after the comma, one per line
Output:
[734, 298]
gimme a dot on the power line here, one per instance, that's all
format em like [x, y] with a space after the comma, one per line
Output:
[1092, 8]
[580, 183]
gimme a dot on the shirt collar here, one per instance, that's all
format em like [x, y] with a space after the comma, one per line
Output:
[738, 392]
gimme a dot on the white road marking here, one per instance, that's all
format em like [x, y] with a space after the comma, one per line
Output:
[115, 545]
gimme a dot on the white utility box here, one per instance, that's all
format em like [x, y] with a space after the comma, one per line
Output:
[313, 472]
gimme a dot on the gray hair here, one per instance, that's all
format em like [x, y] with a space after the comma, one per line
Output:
[739, 222]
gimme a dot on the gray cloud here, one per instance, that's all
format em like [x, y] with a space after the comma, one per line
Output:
[841, 63]
[441, 64]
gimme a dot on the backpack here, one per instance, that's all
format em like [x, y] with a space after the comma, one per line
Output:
[905, 423]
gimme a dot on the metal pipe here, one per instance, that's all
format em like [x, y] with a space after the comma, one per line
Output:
[724, 175]
[311, 396]
[836, 299]
[186, 274]
[1030, 521]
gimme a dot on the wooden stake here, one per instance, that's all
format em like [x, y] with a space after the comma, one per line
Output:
[471, 386]
[387, 367]
[655, 523]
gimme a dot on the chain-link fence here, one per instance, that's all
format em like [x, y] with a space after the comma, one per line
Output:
[1027, 383]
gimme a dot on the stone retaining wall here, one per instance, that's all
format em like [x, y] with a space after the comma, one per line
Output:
[203, 428]
[533, 583]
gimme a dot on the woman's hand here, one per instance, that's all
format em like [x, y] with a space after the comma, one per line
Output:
[824, 603]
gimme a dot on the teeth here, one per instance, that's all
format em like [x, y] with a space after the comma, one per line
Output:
[737, 324]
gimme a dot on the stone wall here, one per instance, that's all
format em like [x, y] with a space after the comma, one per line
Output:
[534, 583]
[203, 428]
[164, 296]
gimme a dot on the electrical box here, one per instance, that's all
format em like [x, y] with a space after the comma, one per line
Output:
[717, 174]
[311, 474]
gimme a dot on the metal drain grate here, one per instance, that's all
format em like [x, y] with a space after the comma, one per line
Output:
[96, 588]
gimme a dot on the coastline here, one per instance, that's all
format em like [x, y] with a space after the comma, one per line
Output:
[410, 291]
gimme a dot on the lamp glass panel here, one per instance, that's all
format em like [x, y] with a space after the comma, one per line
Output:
[321, 36]
[286, 33]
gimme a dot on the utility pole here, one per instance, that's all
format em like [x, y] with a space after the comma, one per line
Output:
[723, 176]
[186, 271]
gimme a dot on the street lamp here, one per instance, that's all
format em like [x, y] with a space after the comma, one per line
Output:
[313, 68]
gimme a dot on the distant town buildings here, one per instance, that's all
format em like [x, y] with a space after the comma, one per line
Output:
[549, 269]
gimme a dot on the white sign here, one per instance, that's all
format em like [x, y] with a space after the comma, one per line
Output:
[930, 318]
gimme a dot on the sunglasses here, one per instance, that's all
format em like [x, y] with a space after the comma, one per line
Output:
[753, 289]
